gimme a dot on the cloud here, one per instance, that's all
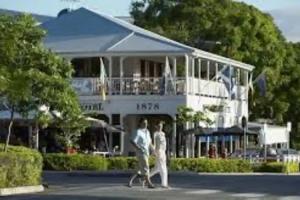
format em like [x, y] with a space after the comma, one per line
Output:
[288, 20]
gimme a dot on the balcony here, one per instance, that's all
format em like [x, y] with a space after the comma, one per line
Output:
[157, 86]
[130, 86]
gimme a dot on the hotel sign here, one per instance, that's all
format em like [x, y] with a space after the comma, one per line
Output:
[147, 106]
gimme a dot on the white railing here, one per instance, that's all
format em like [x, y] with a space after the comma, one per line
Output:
[156, 86]
[130, 86]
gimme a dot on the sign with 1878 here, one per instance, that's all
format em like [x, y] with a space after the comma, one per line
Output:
[147, 106]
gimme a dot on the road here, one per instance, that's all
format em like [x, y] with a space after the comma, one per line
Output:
[100, 186]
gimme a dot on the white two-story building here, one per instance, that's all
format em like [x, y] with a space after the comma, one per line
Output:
[135, 61]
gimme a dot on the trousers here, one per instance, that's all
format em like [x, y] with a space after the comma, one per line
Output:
[161, 168]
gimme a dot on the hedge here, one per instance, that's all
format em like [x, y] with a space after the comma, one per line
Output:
[20, 166]
[65, 162]
[277, 167]
[210, 165]
[88, 162]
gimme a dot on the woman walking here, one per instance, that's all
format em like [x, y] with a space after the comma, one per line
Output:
[160, 152]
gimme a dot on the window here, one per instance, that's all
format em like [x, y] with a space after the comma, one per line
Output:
[78, 67]
[204, 64]
[115, 119]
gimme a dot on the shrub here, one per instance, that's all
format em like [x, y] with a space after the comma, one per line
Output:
[63, 162]
[277, 167]
[186, 164]
[20, 166]
[209, 165]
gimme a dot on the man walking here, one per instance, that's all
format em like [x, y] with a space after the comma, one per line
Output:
[141, 140]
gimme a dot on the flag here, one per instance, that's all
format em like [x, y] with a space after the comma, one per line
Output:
[102, 80]
[262, 84]
[251, 83]
[226, 74]
[167, 79]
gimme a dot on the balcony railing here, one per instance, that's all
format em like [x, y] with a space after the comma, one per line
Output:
[156, 86]
[130, 86]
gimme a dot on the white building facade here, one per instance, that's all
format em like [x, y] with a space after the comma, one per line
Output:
[135, 62]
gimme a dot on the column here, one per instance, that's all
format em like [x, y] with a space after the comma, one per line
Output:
[217, 146]
[110, 144]
[175, 73]
[231, 145]
[174, 136]
[207, 145]
[208, 66]
[199, 147]
[187, 151]
[216, 68]
[187, 73]
[199, 75]
[193, 145]
[122, 143]
[121, 75]
[110, 75]
[36, 138]
[193, 76]
[30, 136]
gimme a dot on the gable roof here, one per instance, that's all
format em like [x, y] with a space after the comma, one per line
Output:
[101, 33]
[85, 32]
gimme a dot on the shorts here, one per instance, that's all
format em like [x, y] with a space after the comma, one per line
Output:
[143, 164]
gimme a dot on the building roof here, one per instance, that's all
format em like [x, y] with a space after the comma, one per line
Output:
[102, 33]
[84, 31]
[39, 18]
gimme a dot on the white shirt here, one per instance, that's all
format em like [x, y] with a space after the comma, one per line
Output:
[160, 142]
[143, 140]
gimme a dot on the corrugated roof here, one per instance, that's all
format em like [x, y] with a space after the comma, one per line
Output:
[99, 33]
[84, 31]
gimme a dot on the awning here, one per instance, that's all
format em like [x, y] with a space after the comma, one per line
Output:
[102, 124]
[234, 131]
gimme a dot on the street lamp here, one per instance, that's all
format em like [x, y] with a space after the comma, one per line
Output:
[244, 126]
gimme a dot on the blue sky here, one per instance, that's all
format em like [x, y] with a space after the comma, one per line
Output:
[285, 12]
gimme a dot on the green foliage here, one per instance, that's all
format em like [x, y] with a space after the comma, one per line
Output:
[242, 31]
[209, 165]
[277, 167]
[67, 162]
[33, 75]
[71, 130]
[20, 166]
[89, 162]
[187, 114]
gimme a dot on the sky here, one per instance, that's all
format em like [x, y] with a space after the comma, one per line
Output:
[285, 12]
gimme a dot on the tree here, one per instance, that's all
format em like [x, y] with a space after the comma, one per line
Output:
[244, 33]
[34, 75]
[187, 114]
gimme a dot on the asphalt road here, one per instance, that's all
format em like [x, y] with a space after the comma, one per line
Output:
[100, 186]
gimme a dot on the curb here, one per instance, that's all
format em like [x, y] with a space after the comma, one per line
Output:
[249, 174]
[21, 190]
